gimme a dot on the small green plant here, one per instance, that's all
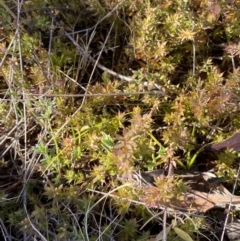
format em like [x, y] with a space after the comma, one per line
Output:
[80, 113]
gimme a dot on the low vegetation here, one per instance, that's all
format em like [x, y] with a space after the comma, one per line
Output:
[95, 91]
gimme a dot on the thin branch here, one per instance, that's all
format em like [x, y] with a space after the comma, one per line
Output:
[230, 204]
[155, 92]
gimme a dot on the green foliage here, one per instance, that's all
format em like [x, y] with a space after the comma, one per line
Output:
[129, 230]
[65, 155]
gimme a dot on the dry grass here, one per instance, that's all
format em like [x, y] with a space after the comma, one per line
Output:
[92, 92]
